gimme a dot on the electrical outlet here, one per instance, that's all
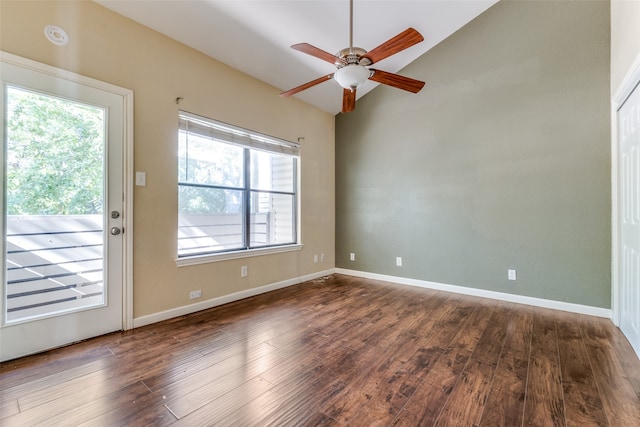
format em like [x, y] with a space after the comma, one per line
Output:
[315, 259]
[321, 257]
[244, 271]
[398, 261]
[195, 294]
[511, 274]
[352, 256]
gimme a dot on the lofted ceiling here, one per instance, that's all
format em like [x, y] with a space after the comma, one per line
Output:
[254, 36]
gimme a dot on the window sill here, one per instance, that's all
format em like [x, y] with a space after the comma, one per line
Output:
[205, 259]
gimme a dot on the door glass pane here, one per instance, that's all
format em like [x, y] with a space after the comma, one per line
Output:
[54, 175]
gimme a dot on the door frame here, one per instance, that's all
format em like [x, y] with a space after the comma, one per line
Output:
[629, 83]
[127, 162]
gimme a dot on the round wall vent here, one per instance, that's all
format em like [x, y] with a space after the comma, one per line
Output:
[56, 35]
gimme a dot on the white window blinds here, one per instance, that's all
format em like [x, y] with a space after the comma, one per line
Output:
[208, 128]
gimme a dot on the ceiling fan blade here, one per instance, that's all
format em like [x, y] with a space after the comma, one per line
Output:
[307, 85]
[348, 100]
[395, 80]
[317, 52]
[405, 39]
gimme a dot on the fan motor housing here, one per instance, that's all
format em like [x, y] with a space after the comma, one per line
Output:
[351, 55]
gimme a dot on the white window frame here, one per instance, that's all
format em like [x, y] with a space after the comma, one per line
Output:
[234, 135]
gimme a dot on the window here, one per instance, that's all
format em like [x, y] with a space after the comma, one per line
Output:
[237, 189]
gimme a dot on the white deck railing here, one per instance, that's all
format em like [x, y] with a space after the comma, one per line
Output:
[54, 264]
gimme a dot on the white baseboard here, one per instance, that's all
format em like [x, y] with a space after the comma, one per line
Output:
[501, 296]
[214, 302]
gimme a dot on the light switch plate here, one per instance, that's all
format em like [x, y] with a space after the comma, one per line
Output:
[141, 179]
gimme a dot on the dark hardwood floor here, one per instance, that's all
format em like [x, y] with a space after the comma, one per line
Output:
[338, 351]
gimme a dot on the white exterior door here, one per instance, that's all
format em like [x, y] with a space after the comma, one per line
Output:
[62, 208]
[629, 217]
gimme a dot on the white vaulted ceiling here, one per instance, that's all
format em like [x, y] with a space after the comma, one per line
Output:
[254, 36]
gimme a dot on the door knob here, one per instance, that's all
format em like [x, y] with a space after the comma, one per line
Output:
[115, 231]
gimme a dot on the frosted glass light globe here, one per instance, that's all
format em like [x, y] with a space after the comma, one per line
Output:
[351, 76]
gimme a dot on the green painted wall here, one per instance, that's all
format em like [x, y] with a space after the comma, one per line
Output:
[502, 161]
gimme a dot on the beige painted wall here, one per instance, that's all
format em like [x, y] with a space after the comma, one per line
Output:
[625, 38]
[111, 48]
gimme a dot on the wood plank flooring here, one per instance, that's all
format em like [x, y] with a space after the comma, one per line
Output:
[338, 351]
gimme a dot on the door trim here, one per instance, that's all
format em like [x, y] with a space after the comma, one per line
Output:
[629, 83]
[127, 179]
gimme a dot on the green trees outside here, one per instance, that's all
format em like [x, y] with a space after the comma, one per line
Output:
[54, 155]
[207, 164]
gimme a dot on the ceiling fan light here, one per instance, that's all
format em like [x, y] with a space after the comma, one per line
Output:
[351, 76]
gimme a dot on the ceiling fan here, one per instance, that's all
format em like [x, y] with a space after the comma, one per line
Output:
[353, 65]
